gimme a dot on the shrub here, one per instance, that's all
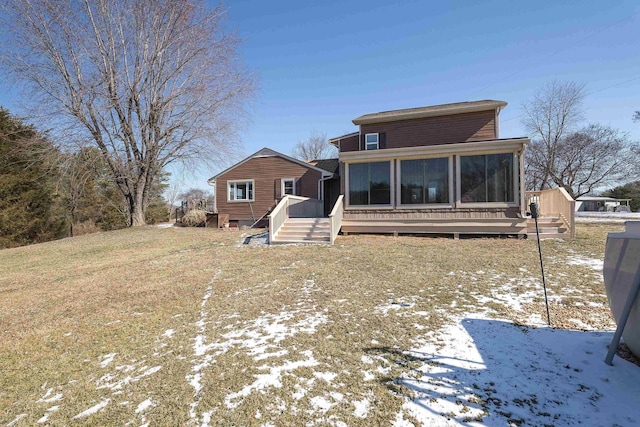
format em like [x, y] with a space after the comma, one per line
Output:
[194, 218]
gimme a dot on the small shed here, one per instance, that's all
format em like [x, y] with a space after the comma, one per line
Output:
[601, 204]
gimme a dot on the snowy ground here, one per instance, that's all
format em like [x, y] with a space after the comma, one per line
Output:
[607, 216]
[492, 372]
[298, 347]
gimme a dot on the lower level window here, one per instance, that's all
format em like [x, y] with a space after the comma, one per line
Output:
[487, 178]
[240, 191]
[370, 183]
[424, 181]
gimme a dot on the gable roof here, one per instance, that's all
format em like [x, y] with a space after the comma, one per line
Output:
[329, 165]
[268, 152]
[430, 111]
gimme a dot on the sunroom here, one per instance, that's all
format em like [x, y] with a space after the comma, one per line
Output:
[455, 185]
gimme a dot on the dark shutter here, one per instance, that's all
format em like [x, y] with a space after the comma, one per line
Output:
[277, 188]
[382, 140]
[296, 188]
[362, 143]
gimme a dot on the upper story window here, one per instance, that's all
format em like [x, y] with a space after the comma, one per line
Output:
[240, 191]
[371, 141]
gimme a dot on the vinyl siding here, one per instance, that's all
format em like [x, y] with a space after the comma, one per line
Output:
[267, 173]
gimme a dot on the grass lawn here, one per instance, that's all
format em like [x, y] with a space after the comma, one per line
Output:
[175, 326]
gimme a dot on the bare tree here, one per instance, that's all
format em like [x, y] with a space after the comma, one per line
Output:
[553, 113]
[150, 83]
[591, 158]
[315, 147]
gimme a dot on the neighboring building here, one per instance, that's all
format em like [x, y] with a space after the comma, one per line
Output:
[601, 204]
[248, 190]
[438, 169]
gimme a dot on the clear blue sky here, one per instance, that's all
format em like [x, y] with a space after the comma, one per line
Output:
[321, 64]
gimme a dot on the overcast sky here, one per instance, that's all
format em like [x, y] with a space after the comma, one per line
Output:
[321, 64]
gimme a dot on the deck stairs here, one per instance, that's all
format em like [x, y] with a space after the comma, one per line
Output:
[551, 227]
[304, 230]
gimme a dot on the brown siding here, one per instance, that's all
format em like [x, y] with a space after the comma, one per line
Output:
[467, 127]
[442, 213]
[349, 144]
[266, 173]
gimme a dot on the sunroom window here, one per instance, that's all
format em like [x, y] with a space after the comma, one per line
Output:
[424, 181]
[487, 178]
[370, 183]
[240, 191]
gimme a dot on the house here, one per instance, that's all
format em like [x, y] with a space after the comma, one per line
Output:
[602, 204]
[439, 169]
[250, 189]
[435, 169]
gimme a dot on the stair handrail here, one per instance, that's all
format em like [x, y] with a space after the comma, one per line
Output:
[278, 217]
[336, 218]
[556, 201]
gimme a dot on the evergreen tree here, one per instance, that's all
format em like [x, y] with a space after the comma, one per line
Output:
[27, 209]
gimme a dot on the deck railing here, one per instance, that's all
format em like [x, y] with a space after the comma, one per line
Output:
[336, 217]
[555, 201]
[278, 217]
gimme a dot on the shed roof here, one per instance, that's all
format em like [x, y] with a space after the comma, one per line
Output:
[429, 111]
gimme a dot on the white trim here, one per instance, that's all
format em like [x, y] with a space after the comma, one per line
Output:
[366, 143]
[348, 205]
[282, 187]
[236, 181]
[449, 205]
[478, 147]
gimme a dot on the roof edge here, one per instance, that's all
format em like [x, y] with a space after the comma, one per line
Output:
[430, 111]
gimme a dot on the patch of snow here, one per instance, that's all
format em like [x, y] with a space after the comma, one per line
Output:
[499, 373]
[165, 225]
[327, 376]
[16, 419]
[321, 403]
[271, 379]
[361, 408]
[169, 333]
[47, 399]
[106, 359]
[94, 409]
[593, 263]
[104, 382]
[144, 405]
[45, 417]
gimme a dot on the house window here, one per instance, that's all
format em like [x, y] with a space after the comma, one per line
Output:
[370, 183]
[240, 191]
[371, 141]
[288, 186]
[487, 178]
[424, 181]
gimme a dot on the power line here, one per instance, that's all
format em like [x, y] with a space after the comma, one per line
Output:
[614, 85]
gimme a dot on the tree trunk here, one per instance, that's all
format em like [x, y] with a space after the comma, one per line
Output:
[137, 210]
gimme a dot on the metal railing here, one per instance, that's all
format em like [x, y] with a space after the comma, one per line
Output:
[555, 201]
[336, 217]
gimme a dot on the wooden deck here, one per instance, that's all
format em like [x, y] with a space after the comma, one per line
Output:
[456, 227]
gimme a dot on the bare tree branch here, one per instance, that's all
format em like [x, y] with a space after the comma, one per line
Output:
[148, 82]
[314, 148]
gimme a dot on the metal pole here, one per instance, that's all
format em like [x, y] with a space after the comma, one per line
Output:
[544, 282]
[633, 294]
[533, 207]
